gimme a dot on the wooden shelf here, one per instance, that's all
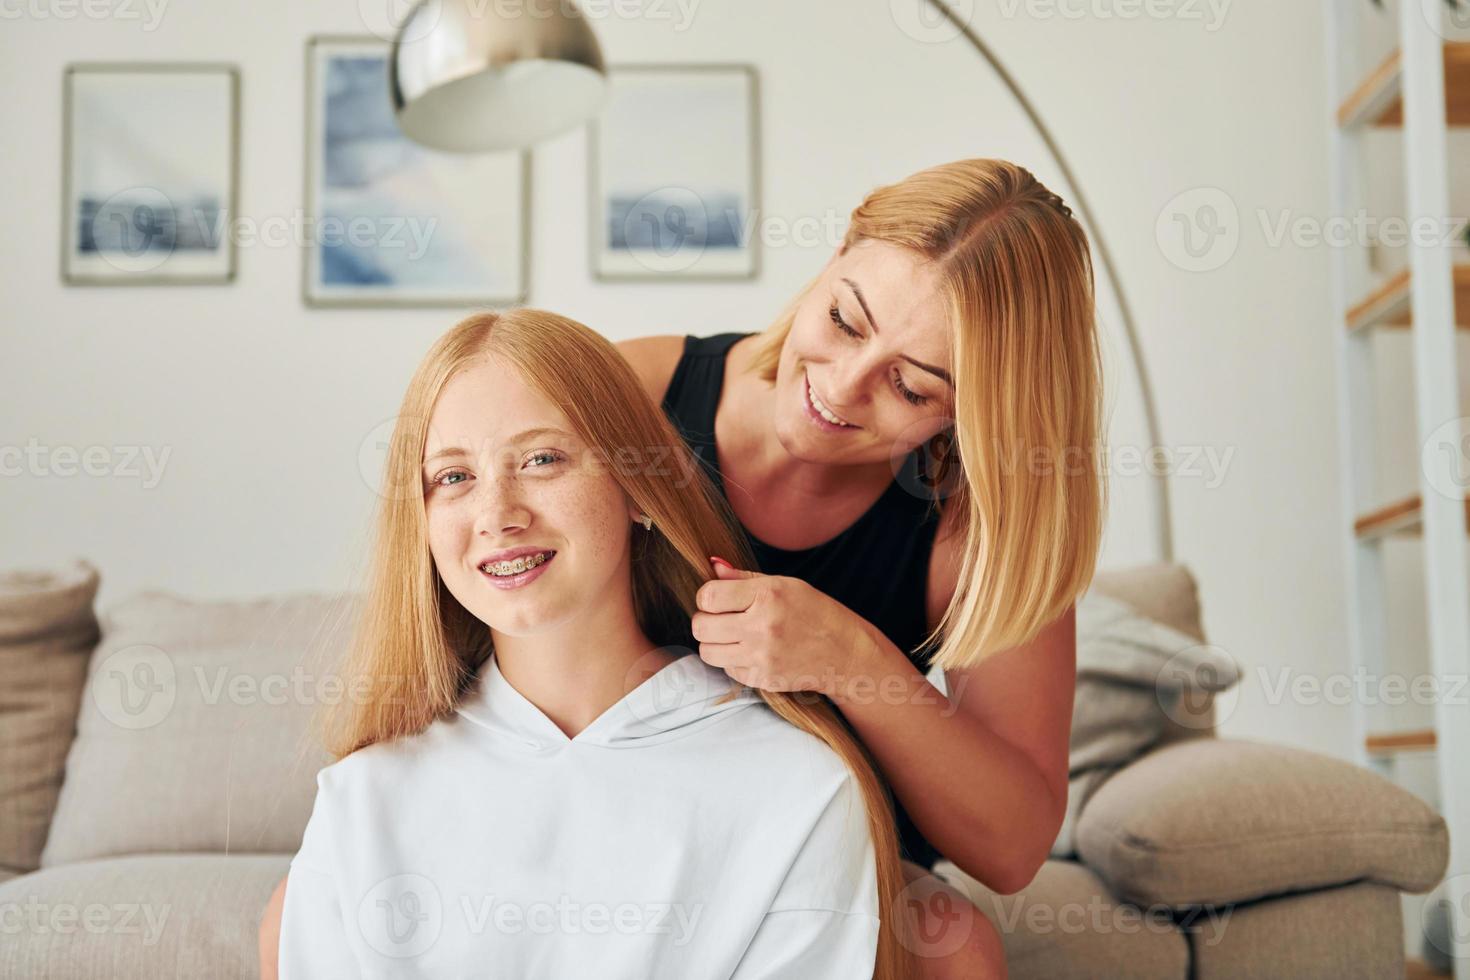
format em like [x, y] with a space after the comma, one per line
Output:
[1390, 304]
[1416, 969]
[1408, 741]
[1378, 100]
[1402, 517]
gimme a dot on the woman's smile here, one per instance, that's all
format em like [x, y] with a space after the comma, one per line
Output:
[820, 414]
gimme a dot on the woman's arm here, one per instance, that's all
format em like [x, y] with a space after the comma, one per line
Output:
[983, 772]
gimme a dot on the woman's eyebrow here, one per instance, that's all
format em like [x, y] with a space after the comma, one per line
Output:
[938, 372]
[543, 430]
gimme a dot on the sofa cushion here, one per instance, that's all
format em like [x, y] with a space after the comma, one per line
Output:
[1352, 930]
[1066, 925]
[1212, 821]
[140, 917]
[1162, 591]
[195, 733]
[1166, 593]
[47, 633]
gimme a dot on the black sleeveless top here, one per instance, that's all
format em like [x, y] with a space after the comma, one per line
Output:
[895, 535]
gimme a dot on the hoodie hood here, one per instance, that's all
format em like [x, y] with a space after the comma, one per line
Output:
[680, 700]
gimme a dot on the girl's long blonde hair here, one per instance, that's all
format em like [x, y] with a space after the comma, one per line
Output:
[416, 648]
[1028, 497]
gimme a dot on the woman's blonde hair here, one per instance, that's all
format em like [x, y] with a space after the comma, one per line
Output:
[1017, 280]
[416, 648]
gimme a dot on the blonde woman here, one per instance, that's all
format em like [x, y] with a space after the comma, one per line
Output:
[948, 343]
[952, 333]
[534, 779]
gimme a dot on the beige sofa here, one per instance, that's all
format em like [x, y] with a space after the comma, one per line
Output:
[181, 730]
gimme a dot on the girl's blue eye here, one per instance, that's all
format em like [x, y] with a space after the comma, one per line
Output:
[439, 480]
[442, 479]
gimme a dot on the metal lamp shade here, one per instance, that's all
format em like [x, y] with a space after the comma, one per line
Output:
[468, 81]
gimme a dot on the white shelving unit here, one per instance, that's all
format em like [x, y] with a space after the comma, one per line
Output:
[1421, 89]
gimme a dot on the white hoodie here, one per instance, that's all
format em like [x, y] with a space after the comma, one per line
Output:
[672, 838]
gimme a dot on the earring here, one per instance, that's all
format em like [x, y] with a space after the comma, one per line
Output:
[647, 522]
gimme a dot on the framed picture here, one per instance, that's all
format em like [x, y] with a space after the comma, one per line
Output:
[150, 156]
[394, 223]
[674, 173]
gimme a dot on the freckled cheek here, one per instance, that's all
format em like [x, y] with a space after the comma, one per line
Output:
[449, 537]
[588, 515]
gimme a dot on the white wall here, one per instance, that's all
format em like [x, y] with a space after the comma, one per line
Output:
[264, 405]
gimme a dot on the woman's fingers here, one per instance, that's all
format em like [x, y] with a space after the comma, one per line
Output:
[726, 656]
[727, 595]
[717, 627]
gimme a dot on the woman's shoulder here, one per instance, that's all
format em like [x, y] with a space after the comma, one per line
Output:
[654, 359]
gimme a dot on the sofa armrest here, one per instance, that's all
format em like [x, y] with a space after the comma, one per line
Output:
[1214, 821]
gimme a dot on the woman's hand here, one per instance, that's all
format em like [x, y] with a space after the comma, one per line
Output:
[777, 633]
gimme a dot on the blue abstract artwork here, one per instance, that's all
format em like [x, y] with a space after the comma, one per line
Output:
[393, 222]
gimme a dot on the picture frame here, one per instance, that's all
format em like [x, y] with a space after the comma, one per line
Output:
[686, 212]
[392, 223]
[150, 173]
